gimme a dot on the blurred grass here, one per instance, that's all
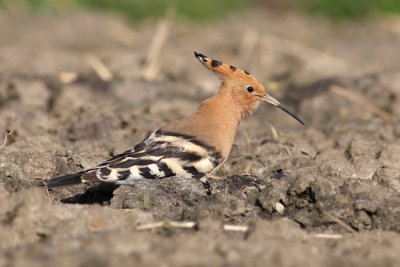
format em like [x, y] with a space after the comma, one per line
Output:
[139, 9]
[351, 9]
[200, 10]
[134, 9]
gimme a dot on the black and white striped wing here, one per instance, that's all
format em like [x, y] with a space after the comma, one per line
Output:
[162, 154]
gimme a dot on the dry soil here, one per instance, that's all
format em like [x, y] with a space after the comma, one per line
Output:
[327, 194]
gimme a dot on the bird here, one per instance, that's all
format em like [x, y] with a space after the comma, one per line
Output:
[195, 146]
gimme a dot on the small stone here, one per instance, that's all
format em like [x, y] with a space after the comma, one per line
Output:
[279, 208]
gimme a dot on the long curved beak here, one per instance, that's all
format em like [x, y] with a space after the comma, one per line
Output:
[269, 99]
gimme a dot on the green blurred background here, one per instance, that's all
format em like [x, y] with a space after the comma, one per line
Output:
[200, 10]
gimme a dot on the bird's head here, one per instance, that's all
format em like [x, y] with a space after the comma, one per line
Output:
[245, 89]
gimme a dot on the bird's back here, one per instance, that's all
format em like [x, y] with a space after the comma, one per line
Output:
[161, 155]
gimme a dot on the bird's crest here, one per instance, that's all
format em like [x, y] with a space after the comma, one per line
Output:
[247, 89]
[220, 68]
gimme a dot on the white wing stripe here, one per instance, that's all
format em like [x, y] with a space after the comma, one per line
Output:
[176, 168]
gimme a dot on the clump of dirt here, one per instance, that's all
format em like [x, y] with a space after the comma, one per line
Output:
[324, 194]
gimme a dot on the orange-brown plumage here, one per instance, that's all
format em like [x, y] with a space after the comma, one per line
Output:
[193, 147]
[217, 119]
[214, 123]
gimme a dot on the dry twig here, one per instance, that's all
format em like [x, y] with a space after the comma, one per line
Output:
[98, 66]
[247, 138]
[153, 63]
[287, 151]
[274, 132]
[284, 45]
[167, 224]
[67, 77]
[329, 236]
[340, 222]
[236, 228]
[6, 138]
[361, 102]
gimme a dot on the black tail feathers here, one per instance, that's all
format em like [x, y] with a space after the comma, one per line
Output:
[69, 179]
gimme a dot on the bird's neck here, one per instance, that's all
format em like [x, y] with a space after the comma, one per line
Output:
[218, 117]
[215, 122]
[221, 108]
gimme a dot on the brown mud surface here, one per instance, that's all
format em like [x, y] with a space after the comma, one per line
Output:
[327, 194]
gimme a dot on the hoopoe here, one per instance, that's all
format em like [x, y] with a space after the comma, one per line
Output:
[193, 147]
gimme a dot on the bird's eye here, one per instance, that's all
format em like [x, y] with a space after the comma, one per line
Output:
[250, 89]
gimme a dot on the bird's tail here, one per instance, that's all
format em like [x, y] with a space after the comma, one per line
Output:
[69, 179]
